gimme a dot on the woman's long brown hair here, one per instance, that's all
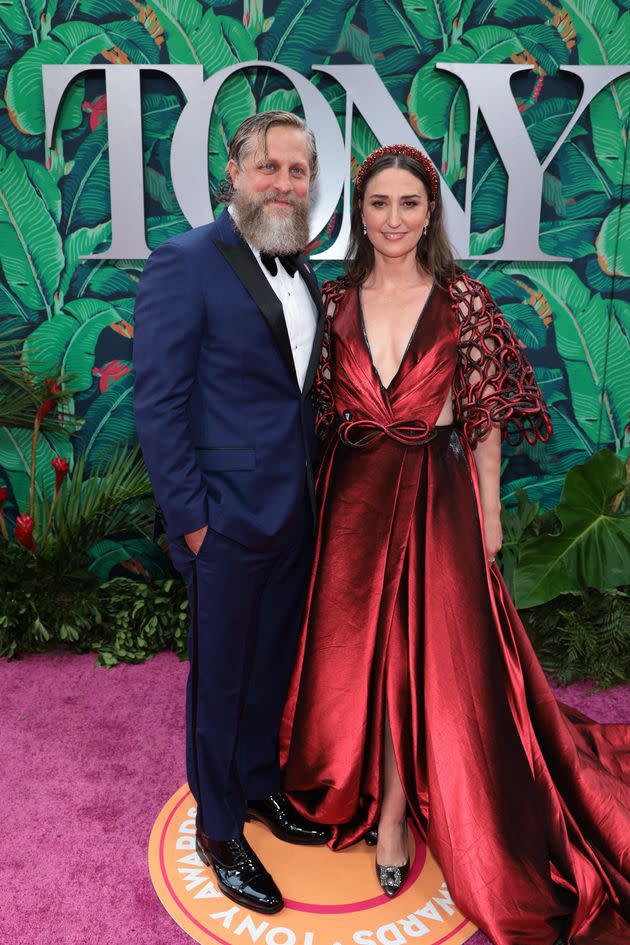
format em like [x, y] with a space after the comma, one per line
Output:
[433, 252]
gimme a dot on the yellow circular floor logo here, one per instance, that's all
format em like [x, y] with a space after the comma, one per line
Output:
[331, 898]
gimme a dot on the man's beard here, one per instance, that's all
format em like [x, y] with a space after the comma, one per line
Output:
[276, 234]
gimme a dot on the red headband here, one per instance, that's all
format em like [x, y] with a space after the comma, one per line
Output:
[410, 152]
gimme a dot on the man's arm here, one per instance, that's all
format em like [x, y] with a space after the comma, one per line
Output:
[169, 319]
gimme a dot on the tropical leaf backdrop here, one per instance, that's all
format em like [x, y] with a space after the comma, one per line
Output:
[75, 317]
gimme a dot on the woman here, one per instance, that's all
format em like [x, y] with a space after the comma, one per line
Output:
[416, 689]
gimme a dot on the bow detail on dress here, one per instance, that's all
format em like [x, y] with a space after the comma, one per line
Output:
[360, 433]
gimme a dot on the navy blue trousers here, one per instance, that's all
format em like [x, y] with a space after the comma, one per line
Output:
[246, 607]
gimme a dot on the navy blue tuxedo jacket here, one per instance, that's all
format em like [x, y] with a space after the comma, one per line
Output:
[227, 435]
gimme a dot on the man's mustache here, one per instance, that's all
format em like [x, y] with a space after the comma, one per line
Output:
[267, 196]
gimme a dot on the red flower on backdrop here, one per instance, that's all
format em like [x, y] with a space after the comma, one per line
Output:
[3, 498]
[24, 525]
[61, 468]
[110, 373]
[98, 111]
[54, 393]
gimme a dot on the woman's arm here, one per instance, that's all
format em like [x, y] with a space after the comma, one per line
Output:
[495, 395]
[487, 455]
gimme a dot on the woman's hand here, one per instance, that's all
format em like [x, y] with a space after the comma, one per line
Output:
[493, 532]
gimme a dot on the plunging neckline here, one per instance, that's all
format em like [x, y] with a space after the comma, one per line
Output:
[407, 348]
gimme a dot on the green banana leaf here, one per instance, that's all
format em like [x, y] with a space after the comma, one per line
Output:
[108, 554]
[85, 189]
[46, 186]
[178, 18]
[109, 424]
[593, 548]
[67, 342]
[81, 243]
[32, 256]
[162, 228]
[159, 188]
[527, 323]
[431, 19]
[23, 16]
[595, 276]
[572, 238]
[356, 42]
[586, 187]
[303, 34]
[396, 44]
[11, 307]
[486, 242]
[364, 141]
[284, 99]
[613, 242]
[582, 329]
[552, 384]
[134, 40]
[160, 114]
[106, 278]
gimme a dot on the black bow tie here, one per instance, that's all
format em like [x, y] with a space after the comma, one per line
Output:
[289, 262]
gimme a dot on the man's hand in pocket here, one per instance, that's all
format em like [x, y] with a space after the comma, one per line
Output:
[194, 540]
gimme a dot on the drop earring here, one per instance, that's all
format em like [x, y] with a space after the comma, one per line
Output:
[426, 227]
[365, 229]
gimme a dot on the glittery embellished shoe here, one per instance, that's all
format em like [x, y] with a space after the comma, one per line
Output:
[392, 878]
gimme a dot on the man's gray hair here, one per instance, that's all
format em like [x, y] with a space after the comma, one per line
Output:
[252, 134]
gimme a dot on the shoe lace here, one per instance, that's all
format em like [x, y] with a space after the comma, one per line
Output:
[242, 852]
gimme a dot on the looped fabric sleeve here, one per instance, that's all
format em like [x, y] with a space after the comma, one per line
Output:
[494, 383]
[323, 399]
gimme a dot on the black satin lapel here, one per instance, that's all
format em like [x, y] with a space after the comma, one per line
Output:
[246, 267]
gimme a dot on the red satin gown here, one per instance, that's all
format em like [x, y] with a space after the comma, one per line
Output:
[524, 802]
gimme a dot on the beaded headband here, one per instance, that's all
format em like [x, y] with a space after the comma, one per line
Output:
[410, 152]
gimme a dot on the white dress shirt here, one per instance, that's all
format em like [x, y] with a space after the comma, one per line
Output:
[300, 311]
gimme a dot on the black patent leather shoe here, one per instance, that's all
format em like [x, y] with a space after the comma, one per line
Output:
[240, 874]
[285, 822]
[392, 878]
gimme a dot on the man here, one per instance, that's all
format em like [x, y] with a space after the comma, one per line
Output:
[227, 340]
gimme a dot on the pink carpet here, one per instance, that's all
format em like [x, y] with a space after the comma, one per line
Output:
[89, 757]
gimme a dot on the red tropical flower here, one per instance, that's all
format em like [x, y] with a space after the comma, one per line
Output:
[61, 468]
[98, 110]
[110, 373]
[54, 393]
[24, 525]
[3, 498]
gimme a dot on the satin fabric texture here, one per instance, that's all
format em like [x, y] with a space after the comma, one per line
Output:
[524, 803]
